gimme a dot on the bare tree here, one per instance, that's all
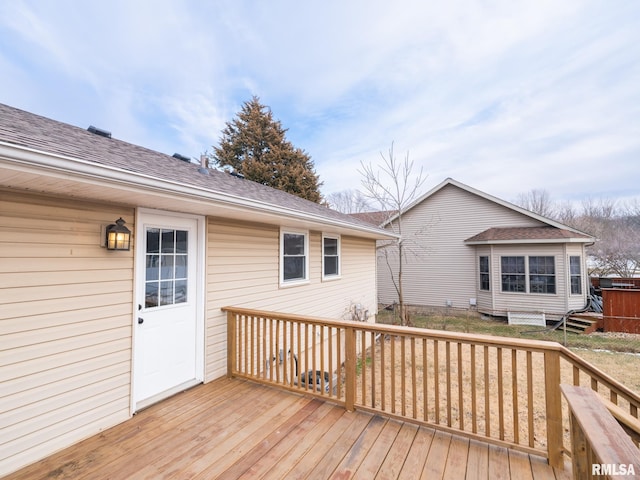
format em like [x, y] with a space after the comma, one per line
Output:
[348, 201]
[537, 201]
[393, 186]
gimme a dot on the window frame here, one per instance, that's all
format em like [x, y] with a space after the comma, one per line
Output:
[294, 281]
[543, 275]
[484, 275]
[338, 256]
[522, 274]
[528, 275]
[578, 275]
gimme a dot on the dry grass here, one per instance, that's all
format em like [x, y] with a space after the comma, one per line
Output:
[468, 397]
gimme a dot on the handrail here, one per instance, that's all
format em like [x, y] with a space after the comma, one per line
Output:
[599, 445]
[481, 386]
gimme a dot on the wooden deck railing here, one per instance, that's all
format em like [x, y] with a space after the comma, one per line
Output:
[600, 447]
[505, 391]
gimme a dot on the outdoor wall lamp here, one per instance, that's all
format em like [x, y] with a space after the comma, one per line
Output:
[118, 236]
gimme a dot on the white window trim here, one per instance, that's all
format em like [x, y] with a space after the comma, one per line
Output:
[301, 281]
[329, 278]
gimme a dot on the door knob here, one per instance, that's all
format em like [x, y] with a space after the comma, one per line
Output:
[140, 320]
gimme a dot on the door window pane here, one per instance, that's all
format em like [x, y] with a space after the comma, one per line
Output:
[166, 273]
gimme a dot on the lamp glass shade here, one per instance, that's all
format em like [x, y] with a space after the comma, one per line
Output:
[118, 236]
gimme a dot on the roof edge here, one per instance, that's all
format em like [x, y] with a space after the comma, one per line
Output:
[43, 160]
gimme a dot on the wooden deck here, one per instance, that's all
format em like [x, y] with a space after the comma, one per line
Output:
[231, 429]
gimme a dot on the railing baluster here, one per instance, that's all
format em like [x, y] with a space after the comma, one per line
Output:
[313, 353]
[276, 359]
[530, 394]
[487, 397]
[425, 376]
[414, 394]
[339, 360]
[373, 370]
[330, 368]
[514, 387]
[448, 368]
[436, 379]
[460, 389]
[363, 368]
[403, 375]
[393, 374]
[322, 365]
[383, 376]
[500, 394]
[474, 386]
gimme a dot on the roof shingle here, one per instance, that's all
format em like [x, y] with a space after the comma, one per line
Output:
[42, 134]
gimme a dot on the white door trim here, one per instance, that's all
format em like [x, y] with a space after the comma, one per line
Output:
[200, 277]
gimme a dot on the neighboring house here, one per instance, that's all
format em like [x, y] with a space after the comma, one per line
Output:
[469, 250]
[90, 335]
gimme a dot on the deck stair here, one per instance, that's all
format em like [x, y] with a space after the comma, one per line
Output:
[583, 322]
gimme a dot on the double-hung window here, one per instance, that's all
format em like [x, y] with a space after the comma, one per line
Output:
[294, 258]
[485, 283]
[330, 257]
[542, 275]
[575, 272]
[514, 277]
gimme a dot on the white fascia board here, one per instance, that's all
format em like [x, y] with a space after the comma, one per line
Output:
[117, 177]
[530, 241]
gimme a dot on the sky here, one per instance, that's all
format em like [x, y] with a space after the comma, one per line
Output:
[506, 96]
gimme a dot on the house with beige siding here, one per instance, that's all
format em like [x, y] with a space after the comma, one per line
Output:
[90, 335]
[468, 250]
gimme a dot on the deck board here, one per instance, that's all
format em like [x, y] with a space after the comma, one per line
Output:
[231, 429]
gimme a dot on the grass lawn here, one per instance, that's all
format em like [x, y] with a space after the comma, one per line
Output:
[492, 326]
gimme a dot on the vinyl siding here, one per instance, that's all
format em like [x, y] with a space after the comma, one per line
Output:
[439, 265]
[243, 271]
[65, 323]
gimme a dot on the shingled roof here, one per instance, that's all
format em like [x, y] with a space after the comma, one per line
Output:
[41, 134]
[520, 234]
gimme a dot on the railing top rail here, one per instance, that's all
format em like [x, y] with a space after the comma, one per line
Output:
[478, 339]
[607, 439]
[603, 378]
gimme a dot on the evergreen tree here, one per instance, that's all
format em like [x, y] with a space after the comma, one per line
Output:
[254, 145]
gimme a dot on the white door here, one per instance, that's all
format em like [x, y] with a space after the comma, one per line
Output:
[168, 328]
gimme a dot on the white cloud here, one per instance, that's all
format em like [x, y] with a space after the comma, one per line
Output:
[505, 96]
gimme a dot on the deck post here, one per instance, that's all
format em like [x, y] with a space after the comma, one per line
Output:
[553, 399]
[231, 343]
[350, 368]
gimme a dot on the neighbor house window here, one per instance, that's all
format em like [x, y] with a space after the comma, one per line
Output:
[294, 264]
[542, 275]
[484, 273]
[330, 257]
[513, 274]
[575, 271]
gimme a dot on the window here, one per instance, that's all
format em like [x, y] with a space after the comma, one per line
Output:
[166, 267]
[294, 264]
[542, 275]
[513, 274]
[575, 272]
[330, 257]
[484, 273]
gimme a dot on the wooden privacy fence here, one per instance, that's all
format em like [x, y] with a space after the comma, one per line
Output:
[505, 391]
